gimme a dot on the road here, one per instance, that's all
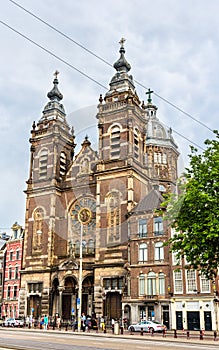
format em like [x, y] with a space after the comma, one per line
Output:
[46, 340]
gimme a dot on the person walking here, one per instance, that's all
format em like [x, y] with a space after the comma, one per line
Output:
[46, 321]
[83, 322]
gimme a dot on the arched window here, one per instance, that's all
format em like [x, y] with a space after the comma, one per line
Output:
[37, 229]
[143, 253]
[161, 279]
[84, 247]
[115, 142]
[158, 251]
[90, 246]
[43, 164]
[77, 248]
[141, 284]
[63, 163]
[113, 216]
[151, 283]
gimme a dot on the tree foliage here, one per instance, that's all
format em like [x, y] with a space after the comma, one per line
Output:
[194, 213]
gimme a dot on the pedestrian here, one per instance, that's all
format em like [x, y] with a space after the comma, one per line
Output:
[112, 324]
[46, 321]
[58, 320]
[41, 322]
[27, 321]
[102, 323]
[83, 322]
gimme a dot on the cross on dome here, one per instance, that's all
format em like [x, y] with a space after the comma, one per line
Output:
[122, 41]
[56, 74]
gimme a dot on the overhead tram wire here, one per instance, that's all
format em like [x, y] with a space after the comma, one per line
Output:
[53, 54]
[106, 62]
[70, 65]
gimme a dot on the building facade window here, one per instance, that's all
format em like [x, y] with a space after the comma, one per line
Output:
[63, 164]
[16, 272]
[136, 144]
[115, 142]
[113, 283]
[142, 228]
[143, 253]
[15, 292]
[11, 255]
[158, 251]
[161, 280]
[77, 247]
[10, 273]
[17, 254]
[141, 284]
[178, 283]
[91, 246]
[158, 226]
[191, 281]
[205, 284]
[8, 292]
[113, 216]
[151, 284]
[43, 164]
[35, 287]
[38, 217]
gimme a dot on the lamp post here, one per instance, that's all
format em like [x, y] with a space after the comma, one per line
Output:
[84, 217]
[80, 279]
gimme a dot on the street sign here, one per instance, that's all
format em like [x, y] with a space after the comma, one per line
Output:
[32, 310]
[78, 301]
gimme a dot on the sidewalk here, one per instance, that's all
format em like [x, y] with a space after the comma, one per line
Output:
[208, 337]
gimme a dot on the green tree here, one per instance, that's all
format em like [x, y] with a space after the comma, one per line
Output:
[194, 213]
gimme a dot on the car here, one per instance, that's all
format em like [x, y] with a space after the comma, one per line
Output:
[13, 322]
[147, 326]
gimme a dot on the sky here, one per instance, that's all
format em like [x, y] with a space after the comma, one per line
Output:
[172, 46]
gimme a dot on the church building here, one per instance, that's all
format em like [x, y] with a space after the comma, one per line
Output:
[93, 241]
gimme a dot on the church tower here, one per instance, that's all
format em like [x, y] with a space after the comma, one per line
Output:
[52, 149]
[121, 178]
[161, 152]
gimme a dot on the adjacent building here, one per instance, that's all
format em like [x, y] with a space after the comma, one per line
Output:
[12, 268]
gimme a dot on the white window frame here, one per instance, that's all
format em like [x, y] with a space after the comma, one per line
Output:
[178, 282]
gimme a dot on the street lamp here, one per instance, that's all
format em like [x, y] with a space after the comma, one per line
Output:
[84, 217]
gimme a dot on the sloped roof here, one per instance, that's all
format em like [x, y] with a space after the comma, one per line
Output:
[150, 202]
[2, 243]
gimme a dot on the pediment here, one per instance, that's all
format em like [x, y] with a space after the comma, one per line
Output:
[68, 264]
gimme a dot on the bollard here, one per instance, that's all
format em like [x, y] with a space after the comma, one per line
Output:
[215, 335]
[121, 330]
[201, 335]
[142, 332]
[164, 333]
[66, 326]
[152, 331]
[175, 333]
[187, 333]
